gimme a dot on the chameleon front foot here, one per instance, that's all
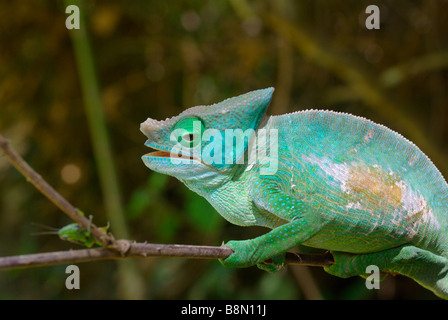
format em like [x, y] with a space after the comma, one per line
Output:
[247, 253]
[242, 255]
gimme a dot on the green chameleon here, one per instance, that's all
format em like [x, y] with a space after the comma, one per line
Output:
[321, 179]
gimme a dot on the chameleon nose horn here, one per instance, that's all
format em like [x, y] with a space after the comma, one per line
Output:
[150, 125]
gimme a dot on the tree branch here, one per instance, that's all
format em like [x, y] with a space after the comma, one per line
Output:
[48, 191]
[95, 254]
[142, 250]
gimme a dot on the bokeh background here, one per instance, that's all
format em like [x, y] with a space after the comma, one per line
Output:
[154, 59]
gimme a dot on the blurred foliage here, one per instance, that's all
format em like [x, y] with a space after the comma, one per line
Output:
[156, 58]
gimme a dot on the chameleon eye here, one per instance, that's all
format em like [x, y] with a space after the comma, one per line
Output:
[189, 137]
[191, 129]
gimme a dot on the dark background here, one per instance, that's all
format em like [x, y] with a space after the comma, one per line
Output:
[156, 58]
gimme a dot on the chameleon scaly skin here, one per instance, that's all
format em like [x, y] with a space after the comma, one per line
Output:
[341, 183]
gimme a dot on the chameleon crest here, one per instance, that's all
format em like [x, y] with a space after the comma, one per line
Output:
[341, 183]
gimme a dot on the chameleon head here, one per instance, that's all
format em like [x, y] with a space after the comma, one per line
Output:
[192, 146]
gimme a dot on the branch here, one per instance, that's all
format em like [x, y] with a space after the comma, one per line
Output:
[141, 250]
[425, 63]
[48, 191]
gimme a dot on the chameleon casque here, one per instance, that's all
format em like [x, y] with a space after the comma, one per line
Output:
[342, 183]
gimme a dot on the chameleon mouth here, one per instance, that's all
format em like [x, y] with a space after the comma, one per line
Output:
[166, 152]
[158, 153]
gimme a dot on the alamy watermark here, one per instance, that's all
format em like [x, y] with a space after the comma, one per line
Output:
[373, 20]
[72, 21]
[373, 280]
[73, 280]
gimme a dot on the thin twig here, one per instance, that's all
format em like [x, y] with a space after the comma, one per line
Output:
[48, 191]
[141, 250]
[130, 280]
[93, 104]
[95, 254]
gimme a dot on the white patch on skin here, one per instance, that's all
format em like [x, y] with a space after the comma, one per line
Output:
[414, 208]
[249, 167]
[352, 205]
[368, 136]
[291, 181]
[338, 172]
[413, 160]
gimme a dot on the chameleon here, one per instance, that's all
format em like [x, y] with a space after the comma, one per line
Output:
[325, 180]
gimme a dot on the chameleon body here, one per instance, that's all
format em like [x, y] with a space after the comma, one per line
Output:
[341, 183]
